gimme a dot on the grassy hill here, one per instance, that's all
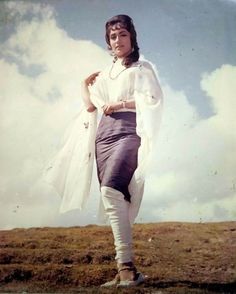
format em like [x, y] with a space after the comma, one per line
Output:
[175, 257]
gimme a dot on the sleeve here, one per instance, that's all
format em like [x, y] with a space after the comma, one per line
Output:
[98, 92]
[149, 103]
[149, 100]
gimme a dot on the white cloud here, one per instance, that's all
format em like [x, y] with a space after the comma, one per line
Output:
[192, 175]
[21, 8]
[221, 88]
[195, 167]
[35, 109]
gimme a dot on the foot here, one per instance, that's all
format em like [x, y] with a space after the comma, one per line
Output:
[131, 283]
[112, 283]
[129, 277]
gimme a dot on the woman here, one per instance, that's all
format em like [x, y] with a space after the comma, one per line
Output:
[129, 95]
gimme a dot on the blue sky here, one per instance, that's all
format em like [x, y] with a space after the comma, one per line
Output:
[184, 38]
[48, 47]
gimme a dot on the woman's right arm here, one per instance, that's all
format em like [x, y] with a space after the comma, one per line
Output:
[85, 91]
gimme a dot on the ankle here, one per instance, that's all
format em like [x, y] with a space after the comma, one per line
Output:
[128, 264]
[127, 271]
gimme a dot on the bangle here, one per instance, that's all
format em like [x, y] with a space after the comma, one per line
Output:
[123, 104]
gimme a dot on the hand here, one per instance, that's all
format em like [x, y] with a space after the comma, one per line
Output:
[89, 81]
[111, 107]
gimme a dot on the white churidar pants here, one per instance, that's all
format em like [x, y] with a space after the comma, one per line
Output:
[117, 209]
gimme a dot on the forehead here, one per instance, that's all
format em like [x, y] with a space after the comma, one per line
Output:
[117, 28]
[118, 31]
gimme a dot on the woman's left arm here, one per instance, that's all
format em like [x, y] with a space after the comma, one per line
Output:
[111, 107]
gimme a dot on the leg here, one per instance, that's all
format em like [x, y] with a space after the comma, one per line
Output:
[117, 210]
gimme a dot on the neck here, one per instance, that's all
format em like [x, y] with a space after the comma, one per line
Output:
[120, 59]
[118, 62]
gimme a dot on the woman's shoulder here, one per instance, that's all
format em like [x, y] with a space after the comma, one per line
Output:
[143, 67]
[102, 75]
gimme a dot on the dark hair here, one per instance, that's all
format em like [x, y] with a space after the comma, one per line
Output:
[125, 22]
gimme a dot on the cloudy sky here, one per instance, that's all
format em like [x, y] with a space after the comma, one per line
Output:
[48, 47]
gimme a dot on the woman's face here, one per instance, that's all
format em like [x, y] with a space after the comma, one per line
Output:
[120, 41]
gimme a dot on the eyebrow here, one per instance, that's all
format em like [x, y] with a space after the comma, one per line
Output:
[120, 32]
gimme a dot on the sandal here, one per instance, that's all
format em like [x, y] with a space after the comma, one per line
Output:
[137, 279]
[111, 283]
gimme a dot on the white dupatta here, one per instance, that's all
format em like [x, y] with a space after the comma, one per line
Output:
[70, 172]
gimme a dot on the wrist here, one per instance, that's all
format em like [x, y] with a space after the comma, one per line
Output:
[90, 108]
[118, 106]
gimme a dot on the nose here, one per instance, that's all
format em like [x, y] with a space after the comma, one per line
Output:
[117, 39]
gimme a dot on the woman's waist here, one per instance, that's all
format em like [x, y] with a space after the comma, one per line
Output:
[119, 117]
[117, 123]
[125, 110]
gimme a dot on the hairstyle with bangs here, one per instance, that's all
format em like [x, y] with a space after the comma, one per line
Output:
[126, 22]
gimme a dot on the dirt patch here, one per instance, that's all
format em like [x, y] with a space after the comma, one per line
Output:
[175, 257]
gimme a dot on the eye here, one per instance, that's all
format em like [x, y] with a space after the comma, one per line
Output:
[113, 37]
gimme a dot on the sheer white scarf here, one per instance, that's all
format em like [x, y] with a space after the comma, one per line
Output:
[70, 171]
